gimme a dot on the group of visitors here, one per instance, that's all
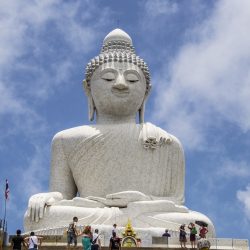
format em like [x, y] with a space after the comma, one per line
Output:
[193, 232]
[31, 241]
[90, 241]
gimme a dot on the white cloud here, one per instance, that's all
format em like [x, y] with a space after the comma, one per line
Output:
[210, 76]
[16, 20]
[244, 197]
[8, 103]
[156, 14]
[233, 169]
[159, 7]
[17, 116]
[23, 26]
[34, 173]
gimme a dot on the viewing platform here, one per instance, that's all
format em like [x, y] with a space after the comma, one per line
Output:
[56, 242]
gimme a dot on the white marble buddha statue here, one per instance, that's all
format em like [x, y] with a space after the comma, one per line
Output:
[115, 169]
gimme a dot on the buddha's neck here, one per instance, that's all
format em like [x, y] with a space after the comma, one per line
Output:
[111, 119]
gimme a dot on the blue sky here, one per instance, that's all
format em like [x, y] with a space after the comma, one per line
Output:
[198, 53]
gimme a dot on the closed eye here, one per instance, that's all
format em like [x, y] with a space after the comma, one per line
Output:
[132, 77]
[108, 76]
[132, 81]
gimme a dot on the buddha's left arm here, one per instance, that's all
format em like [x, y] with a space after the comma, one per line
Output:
[178, 175]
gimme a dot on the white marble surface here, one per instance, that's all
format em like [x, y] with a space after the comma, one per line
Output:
[117, 34]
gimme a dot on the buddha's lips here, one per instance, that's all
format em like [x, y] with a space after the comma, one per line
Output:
[118, 92]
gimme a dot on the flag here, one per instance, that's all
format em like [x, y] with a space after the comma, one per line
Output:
[7, 190]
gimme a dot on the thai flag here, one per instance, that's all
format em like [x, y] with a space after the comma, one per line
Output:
[7, 190]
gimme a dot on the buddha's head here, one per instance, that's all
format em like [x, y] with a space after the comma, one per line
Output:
[117, 81]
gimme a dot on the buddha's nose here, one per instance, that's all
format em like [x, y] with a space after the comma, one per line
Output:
[120, 83]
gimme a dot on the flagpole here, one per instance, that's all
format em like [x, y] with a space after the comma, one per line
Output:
[4, 218]
[6, 195]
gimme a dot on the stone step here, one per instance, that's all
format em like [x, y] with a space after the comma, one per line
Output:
[123, 248]
[80, 248]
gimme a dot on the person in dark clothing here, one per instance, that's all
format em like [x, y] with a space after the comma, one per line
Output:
[17, 241]
[115, 243]
[182, 236]
[166, 235]
[72, 232]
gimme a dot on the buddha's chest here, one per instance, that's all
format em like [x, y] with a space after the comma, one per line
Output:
[116, 160]
[110, 148]
[118, 152]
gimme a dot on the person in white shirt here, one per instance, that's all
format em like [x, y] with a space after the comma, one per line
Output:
[96, 242]
[33, 241]
[114, 229]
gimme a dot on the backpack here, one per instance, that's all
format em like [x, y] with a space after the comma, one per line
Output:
[116, 244]
[71, 228]
[183, 233]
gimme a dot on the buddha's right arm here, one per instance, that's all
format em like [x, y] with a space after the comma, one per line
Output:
[61, 179]
[62, 185]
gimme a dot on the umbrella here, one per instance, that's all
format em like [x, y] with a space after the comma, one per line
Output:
[201, 223]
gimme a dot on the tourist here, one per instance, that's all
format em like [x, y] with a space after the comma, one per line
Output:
[72, 232]
[166, 234]
[193, 232]
[96, 242]
[86, 238]
[115, 242]
[138, 243]
[17, 241]
[182, 236]
[33, 241]
[114, 229]
[203, 231]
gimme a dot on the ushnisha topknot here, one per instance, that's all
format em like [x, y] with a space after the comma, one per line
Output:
[117, 47]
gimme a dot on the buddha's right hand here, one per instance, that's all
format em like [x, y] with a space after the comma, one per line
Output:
[38, 203]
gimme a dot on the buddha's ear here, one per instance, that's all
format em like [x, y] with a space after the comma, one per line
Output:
[91, 104]
[141, 112]
[142, 108]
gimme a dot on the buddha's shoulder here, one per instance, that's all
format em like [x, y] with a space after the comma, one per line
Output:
[75, 133]
[150, 130]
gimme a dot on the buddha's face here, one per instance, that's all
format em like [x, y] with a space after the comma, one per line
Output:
[118, 88]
